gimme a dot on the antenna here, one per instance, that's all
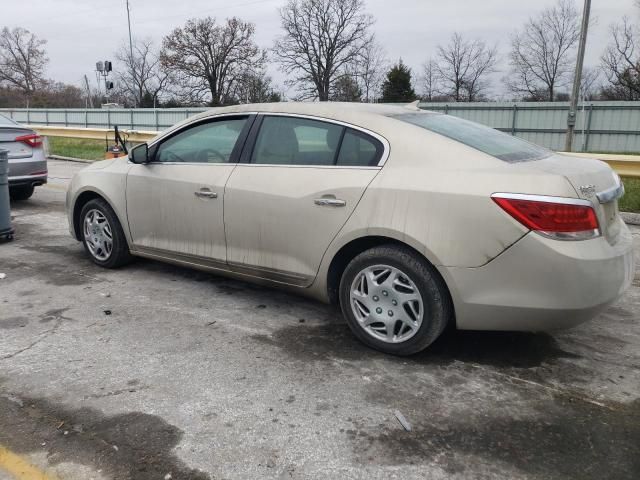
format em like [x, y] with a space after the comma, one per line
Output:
[89, 99]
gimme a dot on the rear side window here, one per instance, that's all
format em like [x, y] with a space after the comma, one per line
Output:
[488, 140]
[296, 141]
[300, 141]
[359, 150]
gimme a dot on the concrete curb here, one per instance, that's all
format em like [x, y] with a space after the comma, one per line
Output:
[631, 218]
[70, 159]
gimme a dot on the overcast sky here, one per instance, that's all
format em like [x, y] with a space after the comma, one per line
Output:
[81, 32]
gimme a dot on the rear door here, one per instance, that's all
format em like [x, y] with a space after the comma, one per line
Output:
[293, 191]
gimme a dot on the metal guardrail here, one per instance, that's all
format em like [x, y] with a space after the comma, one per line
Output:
[135, 136]
[624, 165]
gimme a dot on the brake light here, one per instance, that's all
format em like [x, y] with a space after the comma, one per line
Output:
[554, 217]
[33, 139]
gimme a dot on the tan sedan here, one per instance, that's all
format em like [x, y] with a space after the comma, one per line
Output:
[409, 220]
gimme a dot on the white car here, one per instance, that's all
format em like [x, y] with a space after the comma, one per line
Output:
[410, 220]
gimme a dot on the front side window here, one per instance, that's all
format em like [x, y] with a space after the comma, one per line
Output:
[211, 142]
[486, 139]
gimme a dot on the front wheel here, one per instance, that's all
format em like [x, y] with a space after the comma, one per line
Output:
[102, 235]
[394, 300]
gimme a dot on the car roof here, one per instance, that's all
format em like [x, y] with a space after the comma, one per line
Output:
[372, 116]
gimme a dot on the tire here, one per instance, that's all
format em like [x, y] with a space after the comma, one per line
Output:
[107, 229]
[404, 317]
[20, 193]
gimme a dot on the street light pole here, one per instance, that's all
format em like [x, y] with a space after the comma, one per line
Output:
[575, 92]
[132, 63]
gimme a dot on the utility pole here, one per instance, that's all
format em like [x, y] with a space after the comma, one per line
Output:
[129, 23]
[575, 92]
[132, 63]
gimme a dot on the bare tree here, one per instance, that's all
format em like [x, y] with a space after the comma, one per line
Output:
[322, 38]
[541, 55]
[143, 75]
[590, 83]
[208, 59]
[430, 81]
[22, 60]
[256, 87]
[346, 89]
[621, 62]
[462, 66]
[369, 69]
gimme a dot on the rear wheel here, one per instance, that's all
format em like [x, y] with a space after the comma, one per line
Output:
[23, 192]
[394, 300]
[102, 235]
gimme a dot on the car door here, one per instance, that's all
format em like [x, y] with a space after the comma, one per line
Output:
[293, 191]
[175, 202]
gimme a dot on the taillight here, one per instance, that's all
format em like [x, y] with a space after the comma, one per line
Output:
[33, 139]
[554, 217]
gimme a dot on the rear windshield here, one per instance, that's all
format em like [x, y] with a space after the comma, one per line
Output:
[488, 140]
[6, 122]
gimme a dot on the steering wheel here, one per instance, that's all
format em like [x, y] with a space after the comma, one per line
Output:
[172, 157]
[203, 155]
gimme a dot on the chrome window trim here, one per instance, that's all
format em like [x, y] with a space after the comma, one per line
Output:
[386, 147]
[196, 119]
[184, 127]
[543, 198]
[610, 194]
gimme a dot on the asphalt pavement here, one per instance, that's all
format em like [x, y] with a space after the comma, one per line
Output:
[158, 372]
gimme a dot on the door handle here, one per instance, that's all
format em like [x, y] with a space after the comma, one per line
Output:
[205, 193]
[330, 202]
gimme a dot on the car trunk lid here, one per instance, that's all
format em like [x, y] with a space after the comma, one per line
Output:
[592, 180]
[16, 150]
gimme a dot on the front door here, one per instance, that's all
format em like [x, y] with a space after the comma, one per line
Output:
[302, 181]
[175, 203]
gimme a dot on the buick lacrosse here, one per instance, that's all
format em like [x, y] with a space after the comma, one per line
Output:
[408, 220]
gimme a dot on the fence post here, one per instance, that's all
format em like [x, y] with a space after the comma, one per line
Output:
[86, 118]
[131, 112]
[155, 111]
[446, 109]
[514, 117]
[109, 118]
[66, 118]
[28, 116]
[46, 117]
[585, 145]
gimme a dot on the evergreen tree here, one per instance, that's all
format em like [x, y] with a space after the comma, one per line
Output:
[397, 87]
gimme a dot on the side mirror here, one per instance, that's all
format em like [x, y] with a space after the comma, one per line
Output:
[139, 154]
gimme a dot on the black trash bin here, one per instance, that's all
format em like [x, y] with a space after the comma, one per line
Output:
[6, 232]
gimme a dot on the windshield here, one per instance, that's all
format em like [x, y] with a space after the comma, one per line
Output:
[488, 140]
[6, 122]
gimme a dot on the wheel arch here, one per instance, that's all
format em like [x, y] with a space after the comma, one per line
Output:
[351, 249]
[81, 200]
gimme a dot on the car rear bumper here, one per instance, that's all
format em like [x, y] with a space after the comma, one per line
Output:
[540, 284]
[28, 171]
[27, 180]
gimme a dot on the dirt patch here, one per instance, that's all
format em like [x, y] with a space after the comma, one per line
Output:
[131, 446]
[568, 439]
